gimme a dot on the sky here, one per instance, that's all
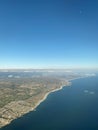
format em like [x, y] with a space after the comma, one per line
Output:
[48, 33]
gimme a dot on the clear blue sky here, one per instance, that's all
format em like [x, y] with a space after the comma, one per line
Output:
[48, 33]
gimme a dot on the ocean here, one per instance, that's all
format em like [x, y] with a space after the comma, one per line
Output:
[74, 107]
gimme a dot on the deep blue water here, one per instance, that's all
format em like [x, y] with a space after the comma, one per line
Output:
[71, 108]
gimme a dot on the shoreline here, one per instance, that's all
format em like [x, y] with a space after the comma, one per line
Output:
[61, 87]
[69, 83]
[81, 78]
[38, 103]
[45, 97]
[47, 94]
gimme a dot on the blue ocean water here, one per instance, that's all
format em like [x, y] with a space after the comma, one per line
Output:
[72, 108]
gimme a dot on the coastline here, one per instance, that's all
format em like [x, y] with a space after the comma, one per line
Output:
[37, 104]
[45, 97]
[52, 91]
[81, 77]
[61, 87]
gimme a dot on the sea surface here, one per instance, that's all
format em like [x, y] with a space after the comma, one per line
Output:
[72, 108]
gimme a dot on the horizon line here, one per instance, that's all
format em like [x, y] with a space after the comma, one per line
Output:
[20, 68]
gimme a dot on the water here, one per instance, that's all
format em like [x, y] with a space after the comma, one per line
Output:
[72, 108]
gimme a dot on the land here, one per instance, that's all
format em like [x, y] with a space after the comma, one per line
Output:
[21, 91]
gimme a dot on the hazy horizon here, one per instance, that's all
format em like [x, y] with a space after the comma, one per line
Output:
[50, 68]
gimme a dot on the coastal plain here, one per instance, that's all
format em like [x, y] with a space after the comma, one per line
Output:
[21, 91]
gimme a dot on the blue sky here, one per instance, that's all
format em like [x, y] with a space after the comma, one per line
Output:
[48, 33]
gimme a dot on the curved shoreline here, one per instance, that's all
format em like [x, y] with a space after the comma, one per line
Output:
[37, 104]
[33, 108]
[68, 83]
[61, 87]
[46, 95]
